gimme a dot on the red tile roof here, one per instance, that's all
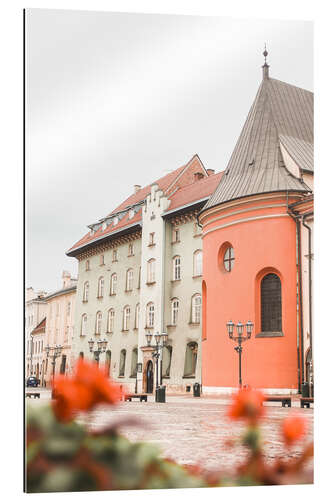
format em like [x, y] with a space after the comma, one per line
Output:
[178, 183]
[40, 328]
[196, 191]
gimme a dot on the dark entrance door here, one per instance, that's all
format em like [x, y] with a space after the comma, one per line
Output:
[150, 374]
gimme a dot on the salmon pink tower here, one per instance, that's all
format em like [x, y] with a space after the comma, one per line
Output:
[254, 243]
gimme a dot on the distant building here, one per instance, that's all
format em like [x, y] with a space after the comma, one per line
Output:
[257, 248]
[140, 271]
[59, 328]
[35, 312]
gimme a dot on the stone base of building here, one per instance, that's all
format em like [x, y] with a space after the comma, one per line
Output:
[232, 390]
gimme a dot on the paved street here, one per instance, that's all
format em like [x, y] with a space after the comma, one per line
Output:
[193, 430]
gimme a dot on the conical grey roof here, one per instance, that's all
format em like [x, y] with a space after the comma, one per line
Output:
[281, 114]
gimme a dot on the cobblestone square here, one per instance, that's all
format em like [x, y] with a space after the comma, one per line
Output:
[194, 430]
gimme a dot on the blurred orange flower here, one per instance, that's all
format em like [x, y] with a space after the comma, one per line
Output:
[293, 428]
[86, 389]
[247, 405]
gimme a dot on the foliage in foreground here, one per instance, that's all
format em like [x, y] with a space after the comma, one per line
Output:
[64, 455]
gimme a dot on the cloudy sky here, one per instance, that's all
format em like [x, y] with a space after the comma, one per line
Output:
[114, 100]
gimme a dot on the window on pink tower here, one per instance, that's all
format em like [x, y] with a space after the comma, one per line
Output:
[271, 303]
[229, 259]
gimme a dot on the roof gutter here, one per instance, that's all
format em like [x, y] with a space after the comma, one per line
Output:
[299, 298]
[304, 217]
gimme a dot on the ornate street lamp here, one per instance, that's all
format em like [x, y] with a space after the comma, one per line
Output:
[239, 338]
[56, 352]
[101, 347]
[160, 342]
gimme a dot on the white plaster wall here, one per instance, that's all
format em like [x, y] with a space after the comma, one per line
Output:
[117, 340]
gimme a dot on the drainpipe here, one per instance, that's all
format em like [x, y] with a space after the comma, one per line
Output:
[300, 360]
[310, 290]
[162, 328]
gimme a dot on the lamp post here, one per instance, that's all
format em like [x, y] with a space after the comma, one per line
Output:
[160, 342]
[101, 347]
[56, 353]
[239, 339]
[138, 370]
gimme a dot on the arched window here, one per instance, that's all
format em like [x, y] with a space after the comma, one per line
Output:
[150, 315]
[129, 280]
[191, 359]
[271, 304]
[174, 311]
[98, 328]
[134, 362]
[113, 284]
[137, 315]
[196, 308]
[166, 360]
[100, 291]
[122, 363]
[229, 259]
[84, 324]
[85, 291]
[151, 271]
[176, 267]
[197, 263]
[111, 315]
[126, 317]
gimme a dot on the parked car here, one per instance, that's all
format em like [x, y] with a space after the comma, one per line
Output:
[33, 382]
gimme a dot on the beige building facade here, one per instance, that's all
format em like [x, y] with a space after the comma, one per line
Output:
[35, 312]
[140, 273]
[59, 329]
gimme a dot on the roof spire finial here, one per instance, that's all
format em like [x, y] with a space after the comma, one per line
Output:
[265, 73]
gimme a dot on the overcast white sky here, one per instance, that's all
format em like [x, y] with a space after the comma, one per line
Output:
[114, 100]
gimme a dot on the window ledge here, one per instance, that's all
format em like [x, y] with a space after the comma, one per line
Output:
[149, 283]
[116, 260]
[83, 334]
[83, 301]
[151, 244]
[108, 332]
[102, 264]
[129, 291]
[174, 242]
[124, 331]
[171, 326]
[188, 376]
[193, 323]
[197, 276]
[131, 255]
[99, 296]
[135, 328]
[175, 281]
[149, 328]
[121, 376]
[96, 333]
[269, 334]
[197, 235]
[112, 294]
[132, 376]
[165, 376]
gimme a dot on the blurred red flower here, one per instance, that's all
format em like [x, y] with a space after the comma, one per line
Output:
[86, 389]
[247, 405]
[293, 428]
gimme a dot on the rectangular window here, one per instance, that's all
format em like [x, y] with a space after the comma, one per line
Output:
[101, 260]
[114, 256]
[151, 239]
[175, 235]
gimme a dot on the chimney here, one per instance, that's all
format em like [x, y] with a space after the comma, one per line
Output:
[210, 171]
[137, 188]
[198, 176]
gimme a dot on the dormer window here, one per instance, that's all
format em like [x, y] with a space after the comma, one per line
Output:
[104, 226]
[131, 213]
[115, 220]
[92, 232]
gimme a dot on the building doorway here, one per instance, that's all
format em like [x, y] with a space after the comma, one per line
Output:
[149, 377]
